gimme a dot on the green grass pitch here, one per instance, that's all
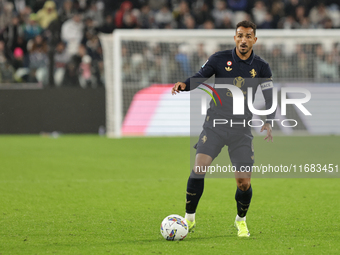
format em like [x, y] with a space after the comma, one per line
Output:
[92, 195]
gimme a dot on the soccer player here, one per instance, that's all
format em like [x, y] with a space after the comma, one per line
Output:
[239, 64]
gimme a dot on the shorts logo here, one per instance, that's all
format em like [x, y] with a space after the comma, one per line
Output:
[204, 139]
[213, 90]
[238, 82]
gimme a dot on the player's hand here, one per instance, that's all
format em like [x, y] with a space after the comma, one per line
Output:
[269, 136]
[179, 86]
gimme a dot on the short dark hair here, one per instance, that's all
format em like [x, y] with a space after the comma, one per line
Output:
[246, 24]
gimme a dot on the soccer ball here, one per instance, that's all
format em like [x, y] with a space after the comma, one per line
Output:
[174, 227]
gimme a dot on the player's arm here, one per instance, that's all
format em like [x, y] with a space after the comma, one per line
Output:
[206, 71]
[267, 87]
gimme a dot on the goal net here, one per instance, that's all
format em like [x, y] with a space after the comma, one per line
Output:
[141, 65]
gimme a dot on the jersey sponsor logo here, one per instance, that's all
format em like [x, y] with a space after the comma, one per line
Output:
[267, 85]
[238, 82]
[208, 92]
[228, 68]
[253, 73]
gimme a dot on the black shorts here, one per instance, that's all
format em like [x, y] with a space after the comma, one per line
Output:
[240, 145]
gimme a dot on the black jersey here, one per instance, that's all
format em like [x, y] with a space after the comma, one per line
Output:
[242, 73]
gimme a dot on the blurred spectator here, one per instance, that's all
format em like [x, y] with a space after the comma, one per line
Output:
[259, 13]
[268, 22]
[202, 14]
[290, 8]
[95, 14]
[163, 17]
[78, 60]
[277, 12]
[19, 5]
[126, 6]
[6, 70]
[237, 5]
[220, 13]
[327, 70]
[89, 30]
[180, 13]
[280, 68]
[189, 22]
[18, 63]
[209, 24]
[327, 23]
[72, 33]
[11, 33]
[20, 43]
[38, 60]
[67, 11]
[71, 78]
[61, 58]
[146, 17]
[108, 25]
[318, 14]
[301, 66]
[182, 59]
[156, 5]
[129, 20]
[32, 28]
[6, 14]
[24, 15]
[199, 57]
[92, 45]
[227, 24]
[47, 14]
[289, 23]
[86, 78]
[300, 13]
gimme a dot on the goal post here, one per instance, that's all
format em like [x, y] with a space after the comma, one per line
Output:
[135, 60]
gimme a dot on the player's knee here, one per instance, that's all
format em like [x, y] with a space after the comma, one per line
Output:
[202, 163]
[243, 184]
[200, 169]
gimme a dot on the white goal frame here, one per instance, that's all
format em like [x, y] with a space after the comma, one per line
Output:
[113, 62]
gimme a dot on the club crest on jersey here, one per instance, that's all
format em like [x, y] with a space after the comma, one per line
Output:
[253, 73]
[239, 81]
[229, 63]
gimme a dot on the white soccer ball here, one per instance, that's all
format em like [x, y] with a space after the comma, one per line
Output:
[174, 227]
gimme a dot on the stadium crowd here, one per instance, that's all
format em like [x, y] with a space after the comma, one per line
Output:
[57, 43]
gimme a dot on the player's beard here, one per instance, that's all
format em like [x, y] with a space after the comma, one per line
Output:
[244, 51]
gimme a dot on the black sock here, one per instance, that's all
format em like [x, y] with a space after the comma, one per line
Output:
[194, 191]
[243, 199]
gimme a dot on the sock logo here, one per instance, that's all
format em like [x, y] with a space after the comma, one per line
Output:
[191, 194]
